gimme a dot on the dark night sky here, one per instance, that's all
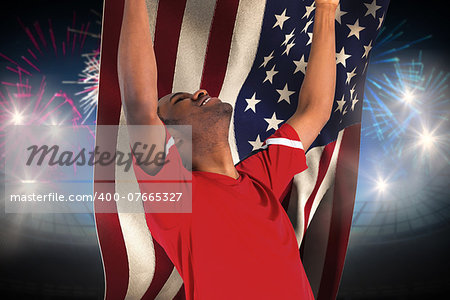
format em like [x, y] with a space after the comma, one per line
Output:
[30, 11]
[423, 18]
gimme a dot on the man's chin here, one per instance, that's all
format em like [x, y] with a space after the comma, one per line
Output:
[214, 116]
[227, 107]
[219, 108]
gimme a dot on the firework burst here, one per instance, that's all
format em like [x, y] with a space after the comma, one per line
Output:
[49, 55]
[89, 77]
[30, 88]
[32, 94]
[408, 105]
[386, 70]
[403, 174]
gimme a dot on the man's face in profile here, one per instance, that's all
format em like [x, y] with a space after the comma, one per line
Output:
[200, 110]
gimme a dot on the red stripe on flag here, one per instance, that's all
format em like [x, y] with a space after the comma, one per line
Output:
[324, 163]
[219, 44]
[167, 35]
[114, 255]
[109, 102]
[163, 269]
[108, 226]
[341, 217]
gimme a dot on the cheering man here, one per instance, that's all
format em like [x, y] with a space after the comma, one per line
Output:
[238, 242]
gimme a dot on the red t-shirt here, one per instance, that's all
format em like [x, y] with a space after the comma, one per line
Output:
[238, 242]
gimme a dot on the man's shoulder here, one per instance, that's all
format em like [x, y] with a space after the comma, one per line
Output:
[284, 136]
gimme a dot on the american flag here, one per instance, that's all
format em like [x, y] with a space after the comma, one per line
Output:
[252, 54]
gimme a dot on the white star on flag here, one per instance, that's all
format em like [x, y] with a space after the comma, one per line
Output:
[367, 50]
[272, 122]
[310, 35]
[341, 57]
[354, 101]
[288, 37]
[380, 22]
[355, 29]
[280, 19]
[270, 74]
[372, 8]
[307, 25]
[300, 65]
[251, 103]
[350, 75]
[340, 104]
[285, 93]
[266, 60]
[339, 13]
[309, 10]
[289, 47]
[256, 144]
[352, 90]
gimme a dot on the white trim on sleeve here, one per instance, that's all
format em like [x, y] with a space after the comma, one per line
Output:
[169, 145]
[284, 142]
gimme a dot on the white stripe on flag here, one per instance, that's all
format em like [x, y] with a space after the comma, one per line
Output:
[328, 180]
[152, 11]
[244, 45]
[302, 188]
[283, 142]
[140, 253]
[192, 45]
[304, 183]
[136, 235]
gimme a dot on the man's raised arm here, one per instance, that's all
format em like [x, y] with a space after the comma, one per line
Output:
[137, 73]
[317, 91]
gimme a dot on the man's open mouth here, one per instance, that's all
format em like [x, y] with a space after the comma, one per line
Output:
[205, 100]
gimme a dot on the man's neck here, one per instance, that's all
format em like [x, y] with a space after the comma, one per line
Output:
[215, 159]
